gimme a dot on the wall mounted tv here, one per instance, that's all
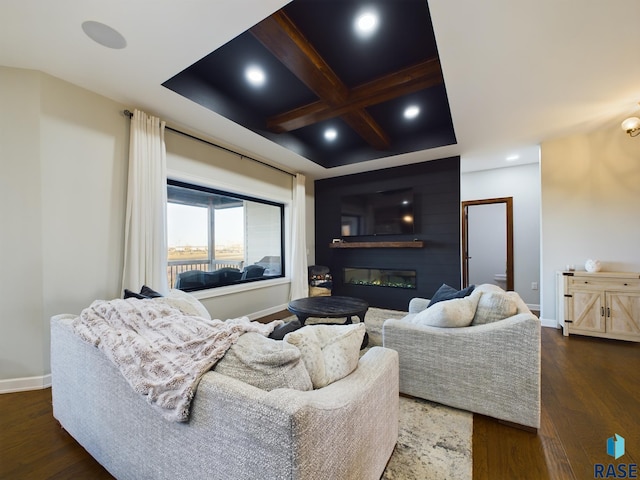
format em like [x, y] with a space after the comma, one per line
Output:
[378, 213]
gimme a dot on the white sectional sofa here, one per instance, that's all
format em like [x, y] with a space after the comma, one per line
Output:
[346, 430]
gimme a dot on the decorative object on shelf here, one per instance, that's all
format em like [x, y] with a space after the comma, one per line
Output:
[592, 265]
[632, 126]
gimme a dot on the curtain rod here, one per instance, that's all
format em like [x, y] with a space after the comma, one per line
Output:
[129, 114]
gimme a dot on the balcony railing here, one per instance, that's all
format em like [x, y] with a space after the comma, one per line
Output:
[175, 267]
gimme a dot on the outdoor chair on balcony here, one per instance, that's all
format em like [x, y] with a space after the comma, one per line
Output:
[222, 276]
[190, 279]
[197, 279]
[252, 271]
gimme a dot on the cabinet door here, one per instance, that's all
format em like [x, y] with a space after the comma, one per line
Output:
[587, 312]
[623, 314]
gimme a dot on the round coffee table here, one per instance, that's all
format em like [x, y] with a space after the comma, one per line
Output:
[330, 307]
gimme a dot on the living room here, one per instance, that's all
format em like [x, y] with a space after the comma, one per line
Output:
[65, 145]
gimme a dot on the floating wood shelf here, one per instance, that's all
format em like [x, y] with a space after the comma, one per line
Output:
[411, 244]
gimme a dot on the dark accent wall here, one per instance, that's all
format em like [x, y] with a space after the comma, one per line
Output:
[436, 186]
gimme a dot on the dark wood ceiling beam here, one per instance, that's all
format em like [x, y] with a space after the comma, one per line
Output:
[363, 123]
[409, 80]
[286, 42]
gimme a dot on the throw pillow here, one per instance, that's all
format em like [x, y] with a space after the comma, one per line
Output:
[149, 293]
[281, 330]
[265, 363]
[445, 292]
[329, 352]
[129, 294]
[145, 292]
[494, 306]
[457, 312]
[185, 302]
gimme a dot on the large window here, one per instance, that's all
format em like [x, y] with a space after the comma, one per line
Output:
[217, 238]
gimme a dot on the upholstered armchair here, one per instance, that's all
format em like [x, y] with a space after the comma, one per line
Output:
[491, 368]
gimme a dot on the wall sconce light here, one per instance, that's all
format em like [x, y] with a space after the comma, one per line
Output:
[632, 126]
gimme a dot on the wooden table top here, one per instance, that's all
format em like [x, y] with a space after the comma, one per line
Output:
[328, 306]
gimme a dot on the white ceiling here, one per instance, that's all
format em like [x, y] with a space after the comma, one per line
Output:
[517, 72]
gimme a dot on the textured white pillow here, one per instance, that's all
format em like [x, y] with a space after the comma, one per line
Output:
[494, 306]
[457, 312]
[330, 352]
[185, 302]
[265, 363]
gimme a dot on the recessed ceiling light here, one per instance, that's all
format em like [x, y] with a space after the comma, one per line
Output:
[512, 158]
[412, 111]
[255, 76]
[330, 134]
[366, 23]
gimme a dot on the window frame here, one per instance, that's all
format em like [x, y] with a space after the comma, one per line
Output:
[252, 282]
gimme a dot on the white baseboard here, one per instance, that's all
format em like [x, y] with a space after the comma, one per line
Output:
[549, 322]
[267, 311]
[24, 384]
[533, 306]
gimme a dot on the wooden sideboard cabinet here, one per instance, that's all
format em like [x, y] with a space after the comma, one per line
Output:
[602, 304]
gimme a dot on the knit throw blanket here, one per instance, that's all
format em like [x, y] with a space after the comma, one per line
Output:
[161, 350]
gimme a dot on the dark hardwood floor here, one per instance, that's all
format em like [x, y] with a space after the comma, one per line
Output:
[590, 391]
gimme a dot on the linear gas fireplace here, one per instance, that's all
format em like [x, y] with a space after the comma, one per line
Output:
[379, 277]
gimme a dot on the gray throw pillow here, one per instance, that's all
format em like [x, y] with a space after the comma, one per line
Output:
[445, 292]
[265, 363]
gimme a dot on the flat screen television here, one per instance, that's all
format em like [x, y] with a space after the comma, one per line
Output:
[379, 213]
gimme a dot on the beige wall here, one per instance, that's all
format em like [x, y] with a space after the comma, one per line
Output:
[64, 160]
[199, 163]
[21, 331]
[590, 205]
[64, 154]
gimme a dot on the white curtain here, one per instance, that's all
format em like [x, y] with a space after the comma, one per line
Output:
[299, 281]
[145, 249]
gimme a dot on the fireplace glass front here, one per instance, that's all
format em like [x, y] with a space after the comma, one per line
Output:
[378, 277]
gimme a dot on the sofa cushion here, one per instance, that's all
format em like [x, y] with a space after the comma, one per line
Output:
[265, 363]
[494, 306]
[457, 312]
[446, 292]
[329, 352]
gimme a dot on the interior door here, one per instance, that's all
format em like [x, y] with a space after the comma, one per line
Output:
[487, 242]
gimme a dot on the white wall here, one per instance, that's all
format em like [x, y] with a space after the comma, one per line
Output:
[590, 201]
[521, 182]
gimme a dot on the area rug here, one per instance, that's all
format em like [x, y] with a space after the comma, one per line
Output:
[434, 441]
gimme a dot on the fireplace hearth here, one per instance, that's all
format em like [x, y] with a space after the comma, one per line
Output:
[380, 277]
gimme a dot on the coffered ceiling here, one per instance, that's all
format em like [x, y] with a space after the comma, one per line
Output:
[515, 74]
[327, 89]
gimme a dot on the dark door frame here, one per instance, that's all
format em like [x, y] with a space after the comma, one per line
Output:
[465, 237]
